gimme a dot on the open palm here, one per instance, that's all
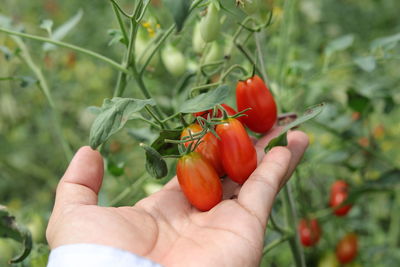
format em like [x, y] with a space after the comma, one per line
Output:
[164, 226]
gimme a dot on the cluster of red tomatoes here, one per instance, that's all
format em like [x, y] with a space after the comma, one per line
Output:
[310, 231]
[232, 153]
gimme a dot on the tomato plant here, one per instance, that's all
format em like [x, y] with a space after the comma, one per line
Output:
[146, 66]
[208, 147]
[309, 231]
[199, 181]
[347, 248]
[236, 150]
[339, 194]
[253, 93]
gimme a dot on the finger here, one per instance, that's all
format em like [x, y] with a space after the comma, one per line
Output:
[297, 144]
[82, 180]
[258, 192]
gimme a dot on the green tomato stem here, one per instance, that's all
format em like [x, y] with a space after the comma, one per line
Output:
[67, 45]
[232, 68]
[117, 11]
[131, 190]
[258, 40]
[291, 222]
[150, 111]
[43, 86]
[115, 5]
[156, 48]
[275, 243]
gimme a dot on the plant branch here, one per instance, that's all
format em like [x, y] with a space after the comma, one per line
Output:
[67, 45]
[291, 222]
[42, 84]
[258, 41]
[150, 111]
[117, 11]
[275, 243]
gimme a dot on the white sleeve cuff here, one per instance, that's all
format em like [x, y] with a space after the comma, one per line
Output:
[91, 255]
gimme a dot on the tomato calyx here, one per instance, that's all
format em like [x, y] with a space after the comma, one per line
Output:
[222, 113]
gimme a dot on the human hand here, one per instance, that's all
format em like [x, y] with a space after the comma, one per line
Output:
[164, 227]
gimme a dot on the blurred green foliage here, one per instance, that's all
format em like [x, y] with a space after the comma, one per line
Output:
[345, 53]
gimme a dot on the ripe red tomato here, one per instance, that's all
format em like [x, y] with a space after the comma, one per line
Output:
[208, 148]
[238, 154]
[339, 193]
[346, 249]
[309, 232]
[199, 181]
[254, 94]
[205, 113]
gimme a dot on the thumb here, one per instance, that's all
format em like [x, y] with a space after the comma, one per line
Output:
[82, 180]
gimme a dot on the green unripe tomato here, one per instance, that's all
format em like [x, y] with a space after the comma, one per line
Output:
[197, 41]
[210, 25]
[215, 53]
[328, 260]
[174, 61]
[142, 51]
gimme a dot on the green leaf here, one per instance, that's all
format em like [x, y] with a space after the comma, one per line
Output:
[367, 64]
[10, 229]
[47, 25]
[389, 41]
[205, 101]
[39, 256]
[114, 114]
[388, 179]
[179, 10]
[7, 53]
[358, 102]
[142, 134]
[167, 149]
[389, 104]
[155, 164]
[63, 30]
[94, 110]
[116, 35]
[339, 44]
[27, 81]
[281, 138]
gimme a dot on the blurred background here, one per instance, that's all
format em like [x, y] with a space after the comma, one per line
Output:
[345, 53]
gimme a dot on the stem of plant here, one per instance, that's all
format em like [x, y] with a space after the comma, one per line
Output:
[156, 48]
[288, 10]
[394, 228]
[275, 243]
[42, 84]
[259, 44]
[232, 68]
[150, 111]
[67, 45]
[248, 56]
[201, 87]
[291, 222]
[130, 190]
[120, 21]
